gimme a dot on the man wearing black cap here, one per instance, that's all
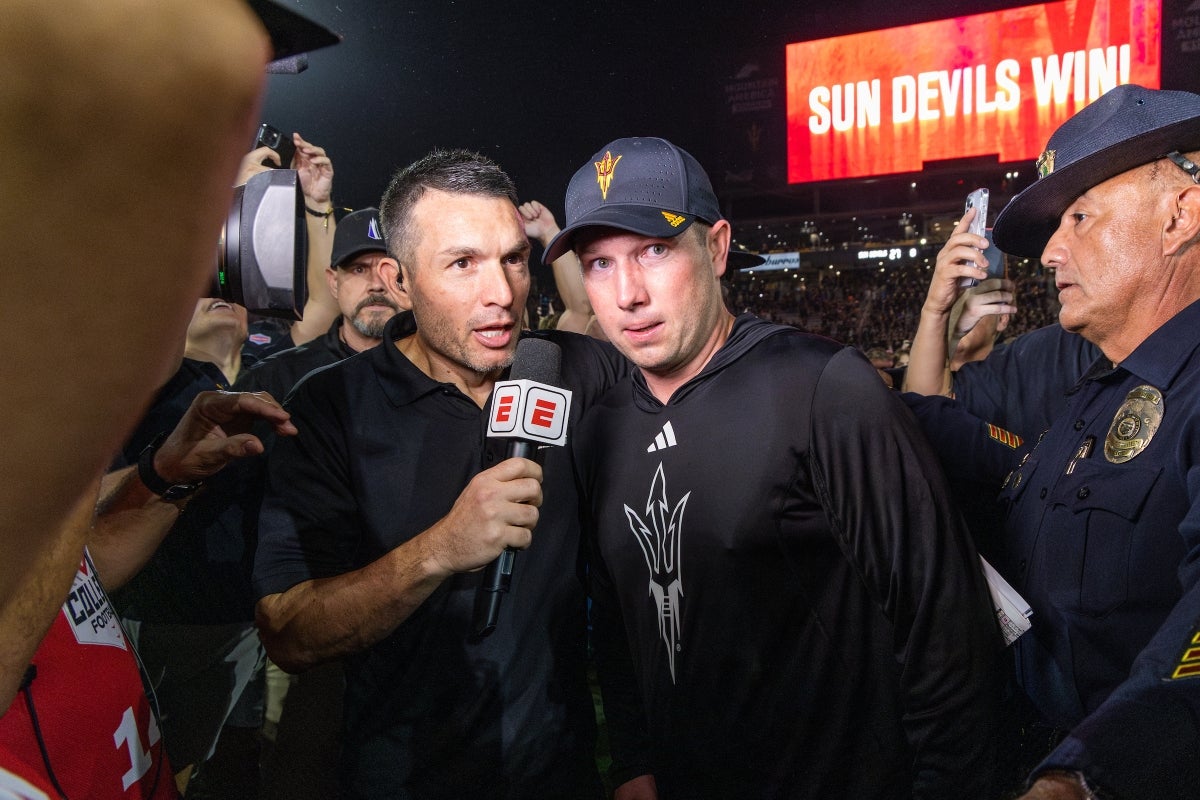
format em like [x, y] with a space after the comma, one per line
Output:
[364, 284]
[774, 545]
[1103, 523]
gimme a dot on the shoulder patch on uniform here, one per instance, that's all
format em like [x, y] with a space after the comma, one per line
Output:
[1189, 662]
[1006, 438]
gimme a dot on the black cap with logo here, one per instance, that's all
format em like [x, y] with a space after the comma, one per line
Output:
[643, 185]
[359, 232]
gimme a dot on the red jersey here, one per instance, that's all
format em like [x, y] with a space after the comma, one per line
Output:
[87, 699]
[20, 781]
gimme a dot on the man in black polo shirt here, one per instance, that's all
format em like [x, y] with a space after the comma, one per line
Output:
[375, 517]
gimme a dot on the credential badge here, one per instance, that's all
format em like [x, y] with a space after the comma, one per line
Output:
[1134, 425]
[1045, 163]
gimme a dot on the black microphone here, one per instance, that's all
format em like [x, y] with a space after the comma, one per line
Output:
[530, 410]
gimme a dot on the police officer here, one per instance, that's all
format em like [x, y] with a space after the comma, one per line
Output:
[1103, 517]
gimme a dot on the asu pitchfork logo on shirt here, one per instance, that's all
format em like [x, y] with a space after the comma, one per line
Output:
[659, 536]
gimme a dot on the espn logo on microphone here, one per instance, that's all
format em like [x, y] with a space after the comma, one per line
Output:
[525, 409]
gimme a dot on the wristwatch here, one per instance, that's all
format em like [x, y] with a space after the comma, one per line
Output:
[154, 482]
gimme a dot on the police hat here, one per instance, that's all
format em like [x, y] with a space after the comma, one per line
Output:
[1123, 129]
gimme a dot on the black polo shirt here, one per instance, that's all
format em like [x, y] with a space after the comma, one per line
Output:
[281, 371]
[382, 453]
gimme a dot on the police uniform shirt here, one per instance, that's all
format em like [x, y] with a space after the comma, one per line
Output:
[1022, 385]
[782, 584]
[1103, 540]
[383, 452]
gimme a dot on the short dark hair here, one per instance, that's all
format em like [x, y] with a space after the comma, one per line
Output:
[456, 171]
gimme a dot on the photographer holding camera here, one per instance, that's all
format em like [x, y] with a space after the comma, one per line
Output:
[315, 171]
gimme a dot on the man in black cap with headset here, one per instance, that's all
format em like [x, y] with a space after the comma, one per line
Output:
[364, 286]
[785, 602]
[1103, 516]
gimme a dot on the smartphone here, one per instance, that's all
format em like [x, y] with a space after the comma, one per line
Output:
[995, 258]
[978, 200]
[277, 140]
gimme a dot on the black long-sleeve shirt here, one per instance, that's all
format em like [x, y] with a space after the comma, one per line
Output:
[781, 584]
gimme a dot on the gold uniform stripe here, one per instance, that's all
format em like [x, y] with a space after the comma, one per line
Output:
[1186, 671]
[1006, 438]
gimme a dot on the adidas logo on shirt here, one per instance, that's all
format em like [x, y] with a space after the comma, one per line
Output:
[665, 439]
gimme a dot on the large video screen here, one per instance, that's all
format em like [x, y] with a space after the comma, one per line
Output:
[999, 83]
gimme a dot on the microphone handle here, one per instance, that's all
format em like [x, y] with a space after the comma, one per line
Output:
[497, 576]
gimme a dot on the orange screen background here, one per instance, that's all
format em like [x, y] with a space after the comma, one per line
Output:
[1020, 34]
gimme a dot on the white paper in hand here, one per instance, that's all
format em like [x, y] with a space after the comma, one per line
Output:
[1011, 609]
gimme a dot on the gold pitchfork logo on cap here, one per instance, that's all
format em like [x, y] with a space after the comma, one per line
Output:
[604, 172]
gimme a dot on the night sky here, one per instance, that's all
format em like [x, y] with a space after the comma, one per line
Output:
[539, 86]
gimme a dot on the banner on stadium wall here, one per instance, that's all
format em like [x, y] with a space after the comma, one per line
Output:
[887, 101]
[777, 261]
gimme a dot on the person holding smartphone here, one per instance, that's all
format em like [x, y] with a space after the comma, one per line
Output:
[273, 150]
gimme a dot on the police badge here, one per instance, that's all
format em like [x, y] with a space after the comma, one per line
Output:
[1045, 163]
[1134, 425]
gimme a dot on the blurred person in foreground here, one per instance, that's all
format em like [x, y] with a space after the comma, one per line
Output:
[113, 251]
[111, 255]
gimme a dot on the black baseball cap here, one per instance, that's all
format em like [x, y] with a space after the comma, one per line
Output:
[1124, 128]
[359, 232]
[642, 185]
